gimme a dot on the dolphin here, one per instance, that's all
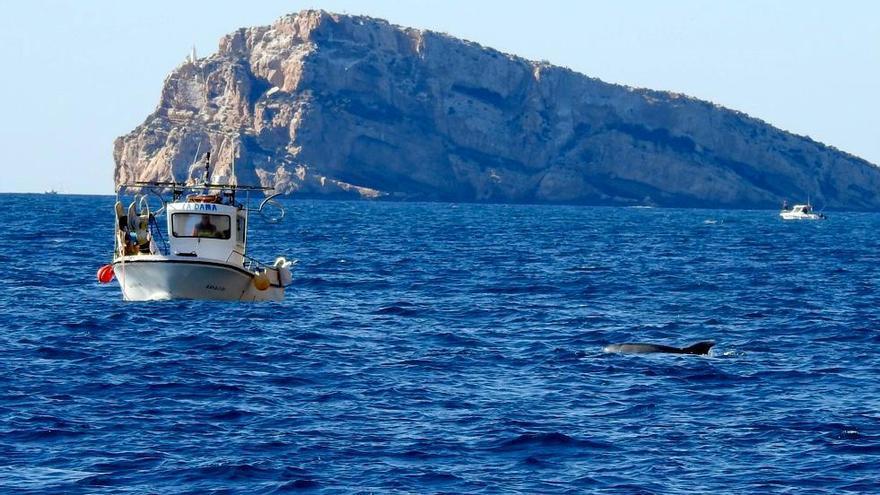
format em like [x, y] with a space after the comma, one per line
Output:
[627, 348]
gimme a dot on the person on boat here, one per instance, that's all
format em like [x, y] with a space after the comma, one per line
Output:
[205, 228]
[785, 205]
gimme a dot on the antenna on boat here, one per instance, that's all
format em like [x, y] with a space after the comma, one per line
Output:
[207, 166]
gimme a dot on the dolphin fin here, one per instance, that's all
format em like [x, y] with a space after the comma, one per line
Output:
[699, 348]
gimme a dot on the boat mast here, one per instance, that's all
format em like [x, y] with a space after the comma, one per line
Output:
[207, 167]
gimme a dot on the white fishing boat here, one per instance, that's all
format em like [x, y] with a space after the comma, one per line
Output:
[800, 212]
[203, 253]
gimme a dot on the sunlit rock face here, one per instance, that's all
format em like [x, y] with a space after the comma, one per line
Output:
[322, 104]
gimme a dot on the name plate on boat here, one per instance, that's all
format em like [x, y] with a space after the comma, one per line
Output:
[199, 206]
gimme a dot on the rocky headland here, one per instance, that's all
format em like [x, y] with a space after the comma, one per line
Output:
[321, 104]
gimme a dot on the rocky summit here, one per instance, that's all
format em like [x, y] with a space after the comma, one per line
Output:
[321, 104]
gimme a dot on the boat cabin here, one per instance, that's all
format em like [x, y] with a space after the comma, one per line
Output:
[208, 230]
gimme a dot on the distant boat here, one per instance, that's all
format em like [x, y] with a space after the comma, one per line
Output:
[800, 212]
[51, 191]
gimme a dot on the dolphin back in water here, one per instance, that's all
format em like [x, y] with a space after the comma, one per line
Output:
[698, 348]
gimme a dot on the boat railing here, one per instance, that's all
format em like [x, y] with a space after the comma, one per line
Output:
[249, 262]
[178, 189]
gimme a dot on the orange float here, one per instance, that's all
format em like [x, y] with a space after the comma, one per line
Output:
[261, 281]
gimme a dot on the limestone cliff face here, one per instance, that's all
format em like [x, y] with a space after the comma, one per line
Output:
[326, 104]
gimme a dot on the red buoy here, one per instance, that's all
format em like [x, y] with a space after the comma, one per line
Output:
[105, 274]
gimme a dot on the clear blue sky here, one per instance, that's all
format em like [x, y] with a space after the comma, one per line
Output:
[77, 74]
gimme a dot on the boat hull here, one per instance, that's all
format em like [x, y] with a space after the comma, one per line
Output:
[801, 216]
[156, 278]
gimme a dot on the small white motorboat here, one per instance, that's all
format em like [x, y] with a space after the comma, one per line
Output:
[800, 212]
[203, 255]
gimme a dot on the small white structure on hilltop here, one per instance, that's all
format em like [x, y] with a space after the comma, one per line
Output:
[192, 55]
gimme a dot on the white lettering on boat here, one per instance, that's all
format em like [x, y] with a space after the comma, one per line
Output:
[200, 206]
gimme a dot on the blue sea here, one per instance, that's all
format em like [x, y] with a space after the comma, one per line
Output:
[450, 348]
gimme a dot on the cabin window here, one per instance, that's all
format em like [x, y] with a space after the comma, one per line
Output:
[240, 229]
[200, 225]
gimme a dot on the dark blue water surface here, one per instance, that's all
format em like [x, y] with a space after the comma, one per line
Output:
[429, 348]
